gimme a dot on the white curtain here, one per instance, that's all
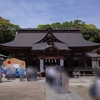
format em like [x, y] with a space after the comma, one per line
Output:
[61, 62]
[41, 65]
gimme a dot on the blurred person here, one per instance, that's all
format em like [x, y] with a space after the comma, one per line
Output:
[21, 72]
[31, 73]
[46, 73]
[65, 80]
[17, 72]
[58, 80]
[35, 73]
[4, 72]
[24, 73]
[95, 88]
[9, 72]
[51, 72]
[13, 72]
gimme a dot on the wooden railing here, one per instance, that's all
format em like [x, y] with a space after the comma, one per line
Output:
[85, 71]
[80, 68]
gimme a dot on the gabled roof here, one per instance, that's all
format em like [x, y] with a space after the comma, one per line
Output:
[61, 46]
[24, 40]
[40, 46]
[43, 46]
[68, 38]
[74, 39]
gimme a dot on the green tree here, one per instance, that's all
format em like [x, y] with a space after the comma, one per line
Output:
[7, 31]
[56, 25]
[90, 32]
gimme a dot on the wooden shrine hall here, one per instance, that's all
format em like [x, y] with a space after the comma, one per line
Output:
[49, 47]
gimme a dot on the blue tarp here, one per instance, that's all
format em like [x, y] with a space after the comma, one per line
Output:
[17, 72]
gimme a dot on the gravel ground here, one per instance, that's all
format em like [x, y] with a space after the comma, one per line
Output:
[82, 91]
[16, 90]
[81, 86]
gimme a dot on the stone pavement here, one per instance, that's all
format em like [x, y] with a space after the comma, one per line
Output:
[53, 95]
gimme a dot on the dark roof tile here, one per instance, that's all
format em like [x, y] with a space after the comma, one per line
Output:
[92, 55]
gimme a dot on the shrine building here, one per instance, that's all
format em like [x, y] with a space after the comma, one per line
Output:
[50, 47]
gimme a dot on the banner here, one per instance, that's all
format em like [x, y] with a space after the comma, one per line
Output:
[41, 65]
[61, 62]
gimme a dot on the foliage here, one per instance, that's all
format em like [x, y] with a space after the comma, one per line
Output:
[7, 31]
[90, 32]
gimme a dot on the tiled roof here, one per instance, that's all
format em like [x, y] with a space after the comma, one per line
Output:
[92, 55]
[68, 39]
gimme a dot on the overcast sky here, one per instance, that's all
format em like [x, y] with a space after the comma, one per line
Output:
[30, 13]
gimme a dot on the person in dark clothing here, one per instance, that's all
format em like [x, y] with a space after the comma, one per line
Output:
[31, 73]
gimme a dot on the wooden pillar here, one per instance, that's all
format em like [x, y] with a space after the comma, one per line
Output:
[70, 62]
[29, 61]
[81, 61]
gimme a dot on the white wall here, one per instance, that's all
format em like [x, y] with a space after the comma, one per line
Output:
[95, 63]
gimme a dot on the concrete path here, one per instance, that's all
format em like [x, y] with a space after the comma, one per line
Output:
[53, 95]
